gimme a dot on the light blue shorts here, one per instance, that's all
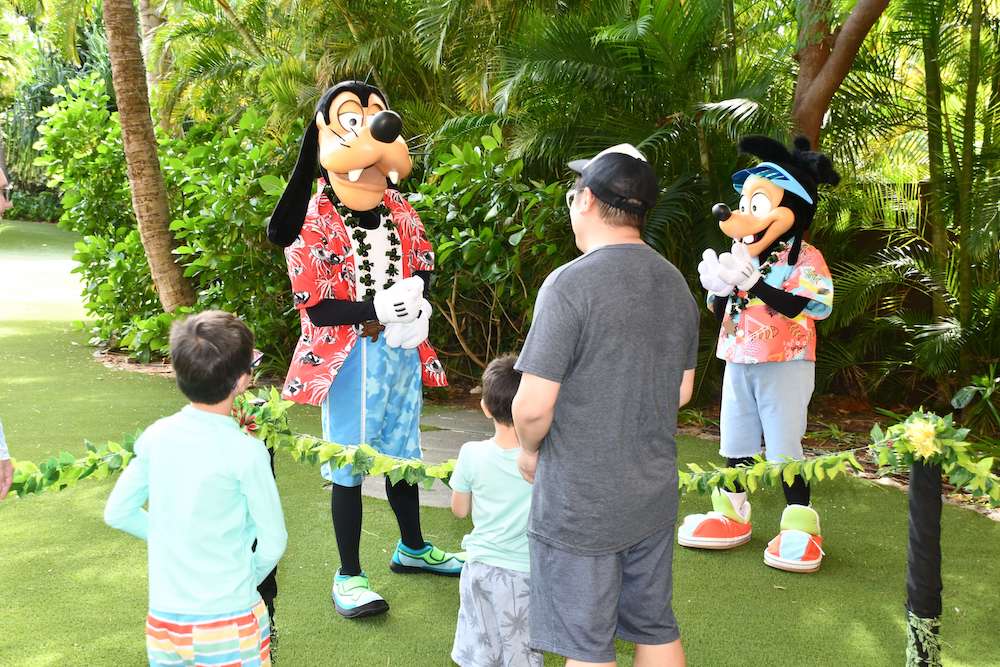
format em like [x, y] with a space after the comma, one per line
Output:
[375, 399]
[768, 401]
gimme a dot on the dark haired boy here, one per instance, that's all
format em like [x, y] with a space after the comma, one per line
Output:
[493, 617]
[211, 493]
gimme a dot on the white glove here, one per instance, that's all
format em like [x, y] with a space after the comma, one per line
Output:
[394, 334]
[410, 334]
[737, 267]
[708, 272]
[417, 330]
[400, 302]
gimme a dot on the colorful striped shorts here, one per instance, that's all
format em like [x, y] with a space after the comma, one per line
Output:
[218, 640]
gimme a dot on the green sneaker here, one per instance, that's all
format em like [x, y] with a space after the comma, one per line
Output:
[429, 559]
[353, 597]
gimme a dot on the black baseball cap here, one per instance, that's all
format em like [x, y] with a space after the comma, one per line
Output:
[620, 177]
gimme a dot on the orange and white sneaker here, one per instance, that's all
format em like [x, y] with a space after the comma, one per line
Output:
[723, 528]
[799, 545]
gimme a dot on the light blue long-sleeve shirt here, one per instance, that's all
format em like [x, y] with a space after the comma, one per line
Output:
[211, 493]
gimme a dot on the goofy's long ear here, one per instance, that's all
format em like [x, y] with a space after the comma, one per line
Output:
[765, 148]
[286, 220]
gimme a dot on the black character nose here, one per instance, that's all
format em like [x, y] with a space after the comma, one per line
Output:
[386, 126]
[721, 212]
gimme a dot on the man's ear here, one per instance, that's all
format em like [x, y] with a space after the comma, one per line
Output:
[289, 214]
[586, 199]
[482, 405]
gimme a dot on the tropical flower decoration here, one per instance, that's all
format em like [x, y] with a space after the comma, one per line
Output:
[247, 420]
[929, 439]
[263, 415]
[924, 437]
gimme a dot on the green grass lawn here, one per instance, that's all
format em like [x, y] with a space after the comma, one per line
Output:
[73, 591]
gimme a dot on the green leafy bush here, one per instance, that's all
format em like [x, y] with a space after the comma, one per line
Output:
[82, 154]
[41, 206]
[222, 188]
[497, 236]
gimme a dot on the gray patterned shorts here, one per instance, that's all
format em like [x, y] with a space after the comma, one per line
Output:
[492, 628]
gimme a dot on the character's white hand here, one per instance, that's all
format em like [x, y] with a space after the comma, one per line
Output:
[401, 302]
[394, 333]
[708, 272]
[737, 267]
[415, 332]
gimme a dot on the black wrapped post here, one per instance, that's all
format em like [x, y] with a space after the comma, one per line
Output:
[923, 568]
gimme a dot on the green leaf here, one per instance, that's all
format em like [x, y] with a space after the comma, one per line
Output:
[272, 185]
[516, 237]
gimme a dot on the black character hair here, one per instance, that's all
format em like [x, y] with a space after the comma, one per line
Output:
[808, 167]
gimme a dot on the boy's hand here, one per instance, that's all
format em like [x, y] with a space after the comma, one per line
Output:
[6, 477]
[527, 462]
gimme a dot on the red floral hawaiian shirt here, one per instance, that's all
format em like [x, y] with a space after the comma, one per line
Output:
[321, 265]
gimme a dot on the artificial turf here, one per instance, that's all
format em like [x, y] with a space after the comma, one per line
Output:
[73, 591]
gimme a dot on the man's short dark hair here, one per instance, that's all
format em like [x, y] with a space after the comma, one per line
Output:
[210, 352]
[500, 383]
[613, 216]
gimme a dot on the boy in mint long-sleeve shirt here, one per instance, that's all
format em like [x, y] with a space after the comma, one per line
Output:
[211, 494]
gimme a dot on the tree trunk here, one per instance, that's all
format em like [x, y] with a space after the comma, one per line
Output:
[729, 48]
[826, 57]
[150, 20]
[963, 210]
[940, 243]
[149, 194]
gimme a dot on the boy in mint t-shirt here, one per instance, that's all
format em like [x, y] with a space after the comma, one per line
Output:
[211, 495]
[493, 616]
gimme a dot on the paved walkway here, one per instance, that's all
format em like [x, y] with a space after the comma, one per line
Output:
[447, 428]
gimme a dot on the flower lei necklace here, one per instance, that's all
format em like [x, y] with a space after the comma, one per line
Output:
[363, 248]
[738, 303]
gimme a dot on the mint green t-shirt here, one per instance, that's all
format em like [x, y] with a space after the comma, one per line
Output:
[501, 502]
[211, 493]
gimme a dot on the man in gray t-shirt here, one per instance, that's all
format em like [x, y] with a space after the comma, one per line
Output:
[608, 361]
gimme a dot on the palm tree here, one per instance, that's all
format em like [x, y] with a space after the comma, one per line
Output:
[149, 195]
[922, 313]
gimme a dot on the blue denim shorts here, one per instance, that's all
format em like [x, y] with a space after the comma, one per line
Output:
[769, 402]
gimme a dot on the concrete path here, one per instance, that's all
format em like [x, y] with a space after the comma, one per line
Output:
[445, 430]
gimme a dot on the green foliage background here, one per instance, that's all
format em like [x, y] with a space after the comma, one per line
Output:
[496, 97]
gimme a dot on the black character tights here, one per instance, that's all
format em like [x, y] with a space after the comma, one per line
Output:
[345, 507]
[796, 493]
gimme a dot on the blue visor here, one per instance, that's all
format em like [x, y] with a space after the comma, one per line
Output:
[775, 174]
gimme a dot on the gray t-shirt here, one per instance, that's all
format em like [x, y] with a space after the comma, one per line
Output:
[616, 328]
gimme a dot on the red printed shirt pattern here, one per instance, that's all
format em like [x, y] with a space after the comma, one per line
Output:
[321, 265]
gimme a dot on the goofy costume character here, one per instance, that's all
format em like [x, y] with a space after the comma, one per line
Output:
[767, 292]
[360, 266]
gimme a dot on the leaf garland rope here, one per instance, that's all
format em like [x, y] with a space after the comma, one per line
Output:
[923, 436]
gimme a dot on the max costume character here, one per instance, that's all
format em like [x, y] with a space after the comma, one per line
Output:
[360, 265]
[768, 292]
